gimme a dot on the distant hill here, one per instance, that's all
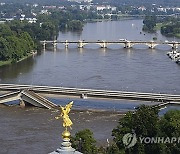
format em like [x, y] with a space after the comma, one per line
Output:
[35, 1]
[115, 2]
[141, 2]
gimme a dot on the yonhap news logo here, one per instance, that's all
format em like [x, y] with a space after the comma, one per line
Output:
[130, 139]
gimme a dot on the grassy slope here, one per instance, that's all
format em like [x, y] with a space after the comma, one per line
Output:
[5, 62]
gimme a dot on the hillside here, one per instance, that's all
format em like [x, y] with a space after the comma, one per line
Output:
[141, 2]
[115, 2]
[43, 2]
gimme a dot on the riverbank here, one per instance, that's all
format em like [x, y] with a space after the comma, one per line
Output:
[170, 34]
[8, 62]
[158, 26]
[102, 20]
[28, 130]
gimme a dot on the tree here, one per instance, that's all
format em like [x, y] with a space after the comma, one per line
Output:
[75, 25]
[170, 127]
[171, 27]
[144, 122]
[28, 41]
[5, 30]
[84, 142]
[17, 47]
[149, 23]
[4, 49]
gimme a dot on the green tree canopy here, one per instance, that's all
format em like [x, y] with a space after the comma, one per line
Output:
[84, 142]
[149, 23]
[4, 49]
[145, 122]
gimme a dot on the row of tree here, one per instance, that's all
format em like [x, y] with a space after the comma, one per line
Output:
[170, 25]
[120, 2]
[145, 122]
[18, 39]
[149, 23]
[171, 29]
[43, 2]
[13, 45]
[139, 2]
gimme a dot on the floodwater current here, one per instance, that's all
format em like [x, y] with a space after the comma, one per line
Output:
[35, 130]
[115, 68]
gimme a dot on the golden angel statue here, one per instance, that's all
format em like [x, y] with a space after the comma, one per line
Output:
[64, 114]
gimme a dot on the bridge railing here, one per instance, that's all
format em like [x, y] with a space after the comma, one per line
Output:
[94, 93]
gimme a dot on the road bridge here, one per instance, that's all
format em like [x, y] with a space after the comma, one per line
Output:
[26, 96]
[93, 93]
[104, 44]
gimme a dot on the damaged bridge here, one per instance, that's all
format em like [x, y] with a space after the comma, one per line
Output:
[27, 97]
[28, 94]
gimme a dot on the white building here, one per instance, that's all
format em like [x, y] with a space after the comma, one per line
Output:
[79, 1]
[35, 5]
[107, 7]
[31, 20]
[142, 8]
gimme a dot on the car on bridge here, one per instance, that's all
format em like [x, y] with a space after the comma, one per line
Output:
[122, 39]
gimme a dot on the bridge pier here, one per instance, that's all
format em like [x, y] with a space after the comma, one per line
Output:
[80, 44]
[55, 44]
[151, 45]
[127, 45]
[66, 44]
[175, 46]
[22, 103]
[103, 44]
[44, 45]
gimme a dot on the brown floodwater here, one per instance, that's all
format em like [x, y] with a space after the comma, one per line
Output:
[35, 130]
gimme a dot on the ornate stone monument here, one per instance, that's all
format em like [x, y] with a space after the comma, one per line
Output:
[66, 145]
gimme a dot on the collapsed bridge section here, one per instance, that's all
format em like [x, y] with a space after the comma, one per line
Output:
[27, 96]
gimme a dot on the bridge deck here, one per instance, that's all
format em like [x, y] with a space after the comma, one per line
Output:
[93, 93]
[36, 100]
[116, 42]
[12, 96]
[26, 96]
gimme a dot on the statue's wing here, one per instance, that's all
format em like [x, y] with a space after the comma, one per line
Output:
[62, 108]
[68, 107]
